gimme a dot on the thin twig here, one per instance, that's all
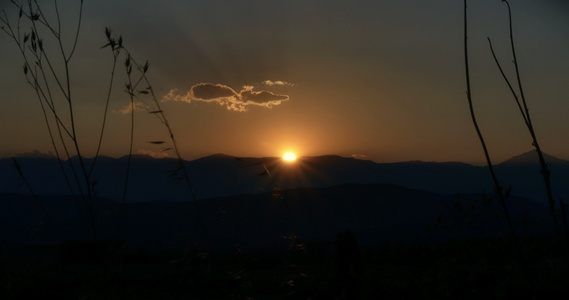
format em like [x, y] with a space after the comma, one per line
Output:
[109, 91]
[41, 75]
[527, 119]
[497, 186]
[161, 115]
[507, 81]
[34, 195]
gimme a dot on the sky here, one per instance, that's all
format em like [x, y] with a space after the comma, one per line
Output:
[382, 80]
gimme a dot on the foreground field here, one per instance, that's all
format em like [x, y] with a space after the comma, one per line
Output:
[473, 269]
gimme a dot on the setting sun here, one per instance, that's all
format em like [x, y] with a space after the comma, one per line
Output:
[289, 156]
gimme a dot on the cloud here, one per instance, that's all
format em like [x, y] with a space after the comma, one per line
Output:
[174, 95]
[227, 97]
[160, 154]
[261, 97]
[208, 91]
[359, 156]
[137, 106]
[278, 82]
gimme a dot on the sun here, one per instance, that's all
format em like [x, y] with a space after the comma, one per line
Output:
[289, 156]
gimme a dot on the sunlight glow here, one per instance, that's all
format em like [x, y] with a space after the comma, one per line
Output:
[289, 156]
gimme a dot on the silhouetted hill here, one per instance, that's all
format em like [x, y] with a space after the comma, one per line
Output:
[531, 158]
[223, 175]
[374, 212]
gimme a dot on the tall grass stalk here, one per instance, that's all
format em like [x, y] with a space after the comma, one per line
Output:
[133, 89]
[49, 74]
[524, 111]
[35, 196]
[57, 99]
[497, 186]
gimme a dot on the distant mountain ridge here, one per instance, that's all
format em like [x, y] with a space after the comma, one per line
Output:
[531, 158]
[222, 175]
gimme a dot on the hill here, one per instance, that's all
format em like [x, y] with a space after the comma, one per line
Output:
[224, 175]
[376, 213]
[531, 158]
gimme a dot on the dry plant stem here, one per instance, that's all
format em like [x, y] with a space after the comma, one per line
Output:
[36, 72]
[498, 188]
[59, 160]
[67, 92]
[525, 115]
[185, 173]
[43, 76]
[35, 85]
[33, 193]
[564, 211]
[162, 117]
[68, 95]
[42, 96]
[130, 91]
[39, 71]
[524, 110]
[115, 57]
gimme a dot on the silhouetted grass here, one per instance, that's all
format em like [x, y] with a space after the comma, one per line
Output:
[527, 258]
[57, 97]
[48, 72]
[524, 111]
[498, 188]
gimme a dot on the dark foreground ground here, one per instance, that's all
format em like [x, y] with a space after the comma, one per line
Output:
[473, 269]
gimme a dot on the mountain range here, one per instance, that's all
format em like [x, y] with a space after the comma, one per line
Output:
[222, 175]
[267, 201]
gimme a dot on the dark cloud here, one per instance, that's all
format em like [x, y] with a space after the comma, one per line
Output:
[261, 96]
[208, 91]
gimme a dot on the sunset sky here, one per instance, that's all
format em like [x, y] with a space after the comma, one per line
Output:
[380, 79]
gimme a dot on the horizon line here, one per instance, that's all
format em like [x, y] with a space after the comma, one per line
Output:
[50, 155]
